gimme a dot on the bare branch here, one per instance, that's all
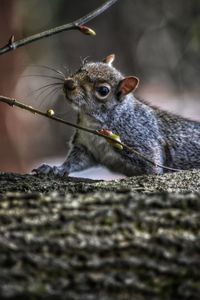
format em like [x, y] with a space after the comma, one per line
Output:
[50, 114]
[76, 25]
[95, 13]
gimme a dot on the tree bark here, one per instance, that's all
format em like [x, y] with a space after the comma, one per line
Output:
[136, 238]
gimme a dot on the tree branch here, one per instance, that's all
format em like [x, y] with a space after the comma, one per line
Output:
[76, 25]
[50, 114]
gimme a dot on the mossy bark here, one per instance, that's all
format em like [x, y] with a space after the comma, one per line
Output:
[137, 238]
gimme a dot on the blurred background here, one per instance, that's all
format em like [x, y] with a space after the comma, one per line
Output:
[156, 40]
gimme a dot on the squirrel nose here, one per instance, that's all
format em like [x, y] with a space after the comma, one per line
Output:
[69, 84]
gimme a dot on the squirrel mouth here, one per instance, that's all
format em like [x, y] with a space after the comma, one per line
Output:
[76, 103]
[68, 98]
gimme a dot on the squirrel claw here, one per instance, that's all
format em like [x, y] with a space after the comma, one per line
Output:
[48, 170]
[43, 169]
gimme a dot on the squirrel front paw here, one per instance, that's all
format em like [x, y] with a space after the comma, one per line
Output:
[46, 169]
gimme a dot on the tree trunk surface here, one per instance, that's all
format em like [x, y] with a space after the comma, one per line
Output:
[136, 238]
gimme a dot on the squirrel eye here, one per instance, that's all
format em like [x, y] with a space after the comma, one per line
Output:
[102, 91]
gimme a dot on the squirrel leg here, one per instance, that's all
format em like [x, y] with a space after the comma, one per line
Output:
[78, 159]
[158, 159]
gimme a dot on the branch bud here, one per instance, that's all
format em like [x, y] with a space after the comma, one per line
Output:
[11, 40]
[50, 112]
[86, 30]
[112, 135]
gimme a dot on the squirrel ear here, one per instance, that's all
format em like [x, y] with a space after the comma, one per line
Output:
[127, 85]
[109, 59]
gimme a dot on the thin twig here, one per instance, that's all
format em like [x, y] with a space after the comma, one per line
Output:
[14, 102]
[76, 25]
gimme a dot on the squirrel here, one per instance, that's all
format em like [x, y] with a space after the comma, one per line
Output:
[104, 99]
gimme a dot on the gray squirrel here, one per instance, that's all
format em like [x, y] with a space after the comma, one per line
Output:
[104, 99]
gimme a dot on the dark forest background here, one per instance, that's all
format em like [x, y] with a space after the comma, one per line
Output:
[156, 40]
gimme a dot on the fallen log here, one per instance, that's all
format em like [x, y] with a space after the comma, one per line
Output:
[137, 238]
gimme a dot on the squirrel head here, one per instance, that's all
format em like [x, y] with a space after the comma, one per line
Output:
[98, 87]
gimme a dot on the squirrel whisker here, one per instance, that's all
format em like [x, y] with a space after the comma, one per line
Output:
[49, 69]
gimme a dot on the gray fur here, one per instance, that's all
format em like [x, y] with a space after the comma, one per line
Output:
[164, 138]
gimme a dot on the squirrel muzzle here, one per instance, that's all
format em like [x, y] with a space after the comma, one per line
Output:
[69, 84]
